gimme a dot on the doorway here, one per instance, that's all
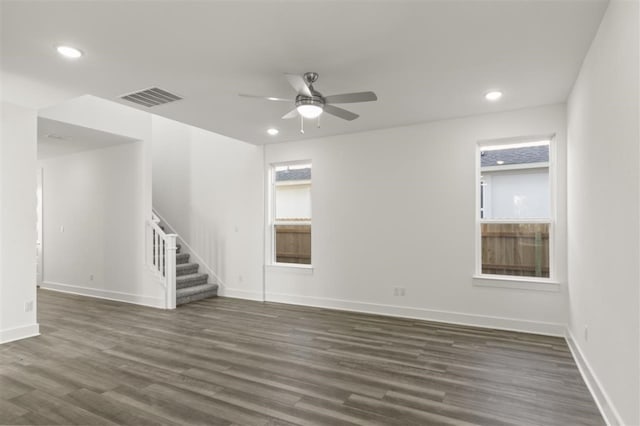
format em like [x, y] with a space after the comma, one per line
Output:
[39, 260]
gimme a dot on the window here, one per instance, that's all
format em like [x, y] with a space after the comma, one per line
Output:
[514, 211]
[291, 213]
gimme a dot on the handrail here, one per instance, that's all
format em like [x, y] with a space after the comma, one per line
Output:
[161, 258]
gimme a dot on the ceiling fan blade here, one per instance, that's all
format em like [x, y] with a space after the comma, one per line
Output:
[291, 114]
[297, 82]
[268, 98]
[339, 112]
[348, 98]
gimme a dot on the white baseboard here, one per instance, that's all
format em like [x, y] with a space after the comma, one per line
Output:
[239, 294]
[136, 299]
[607, 409]
[17, 333]
[510, 324]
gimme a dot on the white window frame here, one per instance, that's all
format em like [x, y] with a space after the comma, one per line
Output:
[552, 210]
[272, 214]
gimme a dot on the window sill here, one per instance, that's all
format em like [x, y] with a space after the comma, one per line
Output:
[292, 267]
[519, 283]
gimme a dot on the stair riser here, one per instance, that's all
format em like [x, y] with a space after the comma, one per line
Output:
[191, 269]
[182, 258]
[191, 283]
[197, 296]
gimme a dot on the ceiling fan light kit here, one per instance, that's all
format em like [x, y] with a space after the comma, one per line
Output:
[309, 110]
[309, 103]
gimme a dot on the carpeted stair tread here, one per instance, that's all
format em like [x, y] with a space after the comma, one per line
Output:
[183, 269]
[199, 292]
[182, 258]
[191, 280]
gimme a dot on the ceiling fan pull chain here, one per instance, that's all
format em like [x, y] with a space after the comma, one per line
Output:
[302, 125]
[319, 121]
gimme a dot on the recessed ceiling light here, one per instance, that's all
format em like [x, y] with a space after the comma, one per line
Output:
[500, 162]
[494, 95]
[273, 131]
[69, 52]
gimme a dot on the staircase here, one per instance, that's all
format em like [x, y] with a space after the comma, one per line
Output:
[181, 279]
[191, 285]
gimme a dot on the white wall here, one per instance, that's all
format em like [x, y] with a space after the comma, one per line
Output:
[93, 201]
[604, 212]
[17, 223]
[210, 189]
[396, 208]
[121, 204]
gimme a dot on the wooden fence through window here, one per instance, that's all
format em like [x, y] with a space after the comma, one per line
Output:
[515, 249]
[293, 244]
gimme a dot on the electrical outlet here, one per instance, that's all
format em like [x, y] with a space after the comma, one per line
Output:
[398, 291]
[91, 277]
[28, 306]
[240, 278]
[586, 333]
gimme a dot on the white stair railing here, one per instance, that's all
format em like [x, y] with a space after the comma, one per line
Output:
[161, 258]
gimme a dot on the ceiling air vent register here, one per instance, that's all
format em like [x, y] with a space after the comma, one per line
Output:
[151, 97]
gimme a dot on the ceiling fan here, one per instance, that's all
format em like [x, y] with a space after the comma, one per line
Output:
[309, 103]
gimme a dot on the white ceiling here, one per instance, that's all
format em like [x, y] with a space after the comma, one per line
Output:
[426, 60]
[57, 138]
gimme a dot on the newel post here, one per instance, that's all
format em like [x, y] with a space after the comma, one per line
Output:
[170, 271]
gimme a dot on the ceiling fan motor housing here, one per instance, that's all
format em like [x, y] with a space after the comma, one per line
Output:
[316, 100]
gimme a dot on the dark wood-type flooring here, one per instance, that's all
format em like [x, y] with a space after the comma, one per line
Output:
[225, 361]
